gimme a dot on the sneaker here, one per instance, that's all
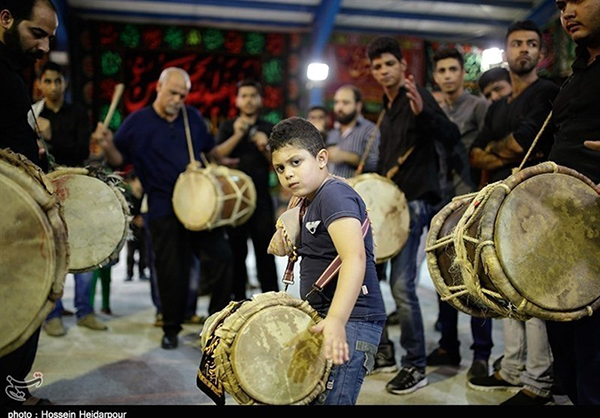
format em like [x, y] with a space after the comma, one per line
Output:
[442, 357]
[479, 368]
[54, 327]
[526, 398]
[492, 383]
[384, 364]
[90, 321]
[408, 380]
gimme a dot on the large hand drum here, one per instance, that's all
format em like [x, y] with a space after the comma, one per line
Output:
[388, 211]
[266, 353]
[97, 217]
[34, 251]
[206, 198]
[524, 247]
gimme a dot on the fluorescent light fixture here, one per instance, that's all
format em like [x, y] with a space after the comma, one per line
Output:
[317, 71]
[491, 57]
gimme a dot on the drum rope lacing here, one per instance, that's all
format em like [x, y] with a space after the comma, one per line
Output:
[461, 262]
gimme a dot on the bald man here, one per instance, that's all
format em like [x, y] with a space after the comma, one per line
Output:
[153, 139]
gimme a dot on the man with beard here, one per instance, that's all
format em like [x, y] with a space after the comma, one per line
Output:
[511, 125]
[245, 139]
[26, 30]
[576, 344]
[351, 134]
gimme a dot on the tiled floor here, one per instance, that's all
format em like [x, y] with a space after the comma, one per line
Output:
[126, 366]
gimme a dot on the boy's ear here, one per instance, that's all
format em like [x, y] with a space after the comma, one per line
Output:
[322, 158]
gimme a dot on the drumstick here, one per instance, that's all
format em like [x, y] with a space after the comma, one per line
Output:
[113, 104]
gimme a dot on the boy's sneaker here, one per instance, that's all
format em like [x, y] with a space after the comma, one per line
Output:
[408, 380]
[492, 383]
[524, 399]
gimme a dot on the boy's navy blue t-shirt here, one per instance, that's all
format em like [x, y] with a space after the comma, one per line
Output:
[159, 152]
[334, 200]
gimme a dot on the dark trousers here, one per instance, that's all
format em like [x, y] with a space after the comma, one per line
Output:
[137, 244]
[17, 364]
[260, 228]
[576, 349]
[173, 249]
[481, 329]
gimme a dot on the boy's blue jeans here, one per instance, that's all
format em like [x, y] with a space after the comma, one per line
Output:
[346, 380]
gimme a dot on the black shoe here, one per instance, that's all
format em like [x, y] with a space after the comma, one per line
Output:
[442, 357]
[479, 368]
[497, 364]
[393, 318]
[129, 279]
[492, 383]
[523, 399]
[143, 277]
[407, 381]
[169, 342]
[384, 364]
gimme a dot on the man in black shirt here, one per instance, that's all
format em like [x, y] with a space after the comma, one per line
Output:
[26, 29]
[576, 345]
[65, 126]
[245, 140]
[412, 124]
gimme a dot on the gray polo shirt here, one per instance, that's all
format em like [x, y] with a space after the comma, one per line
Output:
[468, 113]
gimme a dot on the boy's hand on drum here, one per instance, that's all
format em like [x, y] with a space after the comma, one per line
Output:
[335, 346]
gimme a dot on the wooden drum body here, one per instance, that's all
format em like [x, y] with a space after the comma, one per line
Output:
[388, 211]
[264, 351]
[525, 247]
[34, 250]
[207, 198]
[97, 216]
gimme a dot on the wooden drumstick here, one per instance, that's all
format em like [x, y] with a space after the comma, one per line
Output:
[119, 88]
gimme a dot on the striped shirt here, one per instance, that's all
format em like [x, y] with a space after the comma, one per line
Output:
[354, 140]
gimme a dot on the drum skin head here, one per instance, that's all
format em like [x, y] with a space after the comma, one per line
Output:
[548, 241]
[276, 357]
[388, 211]
[195, 199]
[95, 219]
[27, 260]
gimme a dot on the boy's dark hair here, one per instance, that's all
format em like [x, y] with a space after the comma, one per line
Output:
[248, 83]
[527, 25]
[22, 9]
[445, 53]
[52, 66]
[493, 75]
[297, 132]
[382, 45]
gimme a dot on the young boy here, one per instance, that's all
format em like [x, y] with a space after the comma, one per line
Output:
[351, 304]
